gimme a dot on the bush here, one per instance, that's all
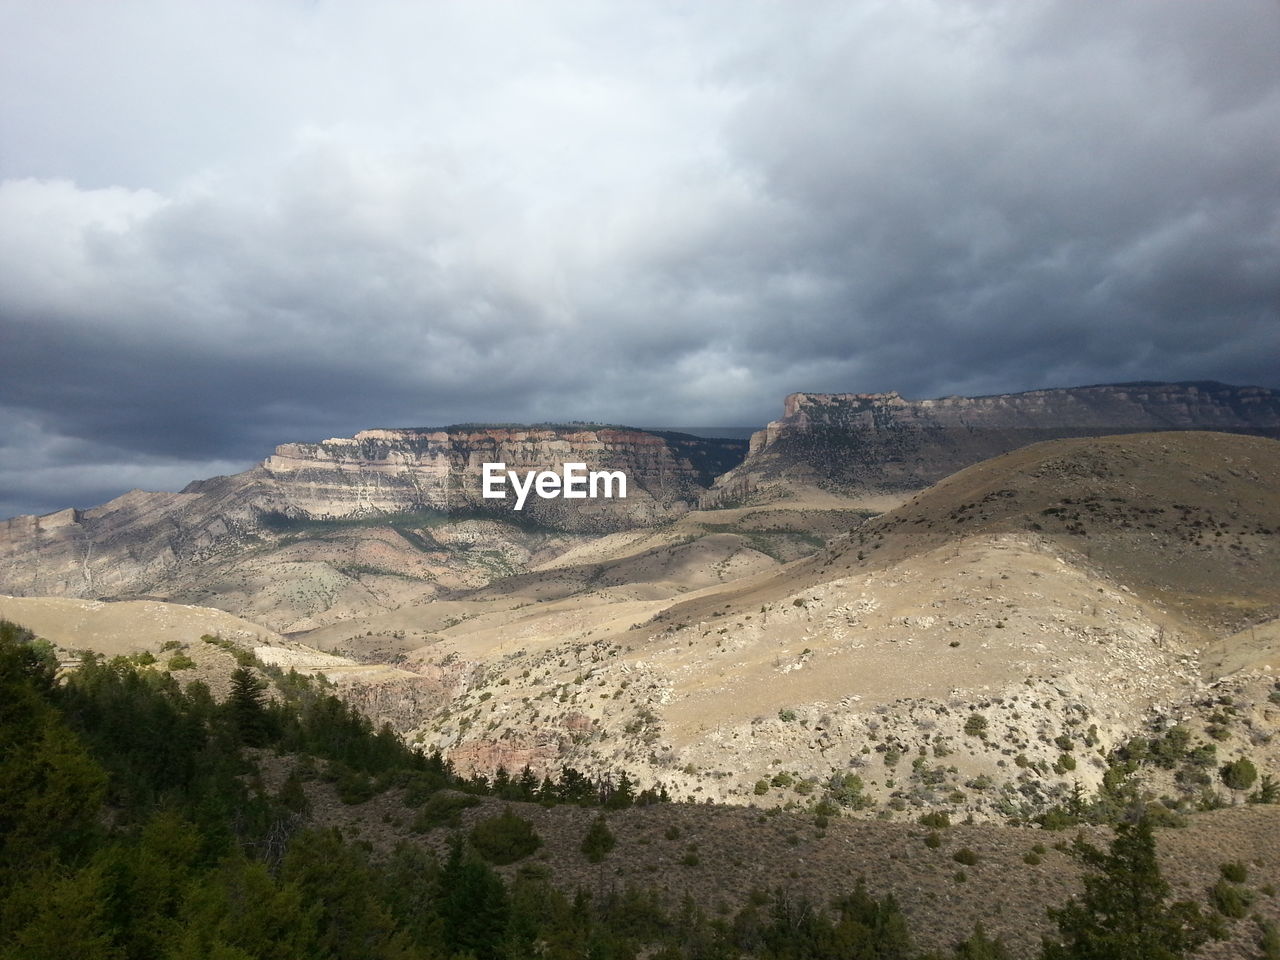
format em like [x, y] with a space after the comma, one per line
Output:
[761, 788]
[966, 856]
[598, 841]
[355, 787]
[1268, 791]
[442, 809]
[938, 818]
[933, 841]
[505, 838]
[976, 725]
[1235, 871]
[1230, 900]
[181, 661]
[1239, 774]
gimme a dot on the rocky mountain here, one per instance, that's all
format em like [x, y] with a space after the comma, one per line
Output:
[352, 525]
[1070, 595]
[867, 443]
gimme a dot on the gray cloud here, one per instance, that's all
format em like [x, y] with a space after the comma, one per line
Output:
[226, 227]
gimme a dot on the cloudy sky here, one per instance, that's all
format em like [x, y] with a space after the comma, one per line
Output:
[228, 225]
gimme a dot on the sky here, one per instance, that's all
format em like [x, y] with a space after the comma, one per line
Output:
[225, 226]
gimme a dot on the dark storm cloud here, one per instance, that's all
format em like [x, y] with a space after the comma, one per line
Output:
[224, 229]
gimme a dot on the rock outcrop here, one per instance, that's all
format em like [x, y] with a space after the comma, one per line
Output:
[881, 442]
[393, 471]
[330, 504]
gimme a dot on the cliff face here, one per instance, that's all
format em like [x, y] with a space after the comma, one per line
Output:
[393, 471]
[881, 442]
[377, 519]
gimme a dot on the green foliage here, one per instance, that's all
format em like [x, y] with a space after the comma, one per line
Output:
[936, 818]
[980, 947]
[1230, 900]
[1239, 774]
[1268, 791]
[247, 708]
[845, 790]
[443, 809]
[598, 841]
[180, 661]
[1235, 871]
[1123, 913]
[505, 838]
[976, 725]
[1268, 940]
[965, 856]
[933, 840]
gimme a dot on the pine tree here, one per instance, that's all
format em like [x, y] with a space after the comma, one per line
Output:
[528, 784]
[623, 795]
[247, 707]
[1123, 913]
[598, 841]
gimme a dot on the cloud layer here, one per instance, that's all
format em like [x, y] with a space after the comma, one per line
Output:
[228, 226]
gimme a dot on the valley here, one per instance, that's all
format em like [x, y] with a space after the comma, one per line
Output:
[1062, 635]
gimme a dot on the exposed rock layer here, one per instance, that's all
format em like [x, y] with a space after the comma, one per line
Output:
[880, 442]
[145, 543]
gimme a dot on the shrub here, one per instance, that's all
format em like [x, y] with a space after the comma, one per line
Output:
[966, 856]
[938, 818]
[1235, 871]
[442, 809]
[1230, 900]
[1239, 774]
[181, 661]
[933, 841]
[1268, 791]
[598, 841]
[761, 788]
[1032, 859]
[976, 725]
[354, 787]
[845, 789]
[505, 838]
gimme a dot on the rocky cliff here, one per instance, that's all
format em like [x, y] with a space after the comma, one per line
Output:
[350, 524]
[392, 471]
[881, 442]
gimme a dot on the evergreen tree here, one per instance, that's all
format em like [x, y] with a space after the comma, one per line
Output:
[528, 784]
[1123, 913]
[598, 841]
[473, 906]
[981, 947]
[247, 707]
[623, 795]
